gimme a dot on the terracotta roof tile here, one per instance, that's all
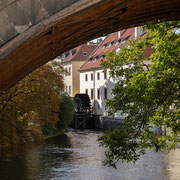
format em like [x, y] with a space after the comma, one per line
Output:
[110, 39]
[78, 56]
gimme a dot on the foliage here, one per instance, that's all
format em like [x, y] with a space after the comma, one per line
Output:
[66, 113]
[148, 92]
[25, 107]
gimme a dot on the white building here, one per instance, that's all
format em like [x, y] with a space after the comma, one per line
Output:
[93, 80]
[98, 85]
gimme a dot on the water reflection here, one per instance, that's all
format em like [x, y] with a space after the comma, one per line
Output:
[77, 156]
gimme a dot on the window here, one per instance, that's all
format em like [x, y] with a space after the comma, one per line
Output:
[84, 53]
[105, 75]
[66, 54]
[69, 89]
[69, 71]
[92, 93]
[63, 56]
[86, 91]
[123, 42]
[91, 76]
[117, 42]
[86, 77]
[73, 52]
[66, 72]
[105, 93]
[98, 76]
[98, 93]
[66, 88]
[102, 57]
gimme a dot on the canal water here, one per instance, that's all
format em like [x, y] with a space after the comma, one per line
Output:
[76, 156]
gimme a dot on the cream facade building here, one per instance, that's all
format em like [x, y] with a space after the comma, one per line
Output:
[71, 61]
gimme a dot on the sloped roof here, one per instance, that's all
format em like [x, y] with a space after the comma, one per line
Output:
[91, 63]
[78, 56]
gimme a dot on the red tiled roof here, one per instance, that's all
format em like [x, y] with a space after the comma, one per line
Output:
[78, 56]
[112, 38]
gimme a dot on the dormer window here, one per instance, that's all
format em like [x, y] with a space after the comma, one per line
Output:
[73, 52]
[109, 45]
[95, 58]
[123, 42]
[66, 54]
[90, 59]
[104, 45]
[117, 42]
[84, 53]
[102, 57]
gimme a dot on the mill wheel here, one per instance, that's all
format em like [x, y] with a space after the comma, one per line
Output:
[83, 102]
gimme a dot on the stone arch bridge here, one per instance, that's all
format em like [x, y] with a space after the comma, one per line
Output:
[33, 32]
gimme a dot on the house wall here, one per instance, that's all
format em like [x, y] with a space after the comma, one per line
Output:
[98, 105]
[75, 78]
[68, 78]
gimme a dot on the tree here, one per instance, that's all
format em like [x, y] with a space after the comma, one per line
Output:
[26, 107]
[67, 105]
[148, 92]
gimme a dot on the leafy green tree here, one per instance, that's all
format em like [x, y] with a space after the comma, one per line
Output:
[66, 112]
[148, 92]
[26, 107]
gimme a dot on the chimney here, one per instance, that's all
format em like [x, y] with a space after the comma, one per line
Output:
[136, 32]
[119, 34]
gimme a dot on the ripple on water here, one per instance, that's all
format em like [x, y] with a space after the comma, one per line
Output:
[77, 156]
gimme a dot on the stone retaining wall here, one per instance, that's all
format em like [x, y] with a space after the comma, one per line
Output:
[110, 122]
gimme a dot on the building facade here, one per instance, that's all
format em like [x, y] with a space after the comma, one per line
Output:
[71, 61]
[94, 80]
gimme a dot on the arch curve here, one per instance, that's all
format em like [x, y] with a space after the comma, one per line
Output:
[35, 32]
